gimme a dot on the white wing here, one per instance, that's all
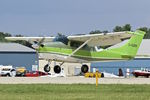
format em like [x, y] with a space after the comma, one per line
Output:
[101, 39]
[31, 39]
[96, 39]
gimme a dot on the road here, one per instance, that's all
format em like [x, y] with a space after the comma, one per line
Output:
[71, 80]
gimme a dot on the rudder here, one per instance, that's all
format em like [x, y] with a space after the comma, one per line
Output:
[130, 49]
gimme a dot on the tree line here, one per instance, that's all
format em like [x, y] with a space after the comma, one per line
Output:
[126, 27]
[3, 40]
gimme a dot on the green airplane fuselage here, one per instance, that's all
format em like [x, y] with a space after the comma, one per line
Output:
[125, 52]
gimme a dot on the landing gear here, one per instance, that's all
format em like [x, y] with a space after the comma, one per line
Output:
[57, 69]
[84, 68]
[47, 68]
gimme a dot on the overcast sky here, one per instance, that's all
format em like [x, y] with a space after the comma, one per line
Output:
[48, 17]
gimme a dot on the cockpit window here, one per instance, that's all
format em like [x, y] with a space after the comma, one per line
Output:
[61, 38]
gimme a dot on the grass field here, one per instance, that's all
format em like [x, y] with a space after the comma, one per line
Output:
[74, 92]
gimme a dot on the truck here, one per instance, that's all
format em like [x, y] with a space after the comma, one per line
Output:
[7, 71]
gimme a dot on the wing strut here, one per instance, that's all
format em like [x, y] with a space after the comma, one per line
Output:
[80, 47]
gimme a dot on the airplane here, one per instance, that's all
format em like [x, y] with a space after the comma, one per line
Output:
[85, 48]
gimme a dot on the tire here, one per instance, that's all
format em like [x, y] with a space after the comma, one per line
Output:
[136, 76]
[57, 69]
[47, 68]
[84, 68]
[147, 76]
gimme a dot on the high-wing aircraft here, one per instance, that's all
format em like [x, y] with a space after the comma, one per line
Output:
[84, 48]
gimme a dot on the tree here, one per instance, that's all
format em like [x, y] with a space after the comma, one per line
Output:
[147, 36]
[59, 34]
[117, 29]
[126, 27]
[18, 35]
[95, 32]
[105, 31]
[145, 29]
[3, 35]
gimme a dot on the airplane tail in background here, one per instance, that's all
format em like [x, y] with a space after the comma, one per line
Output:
[130, 49]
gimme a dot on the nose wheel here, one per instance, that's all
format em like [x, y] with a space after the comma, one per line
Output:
[47, 68]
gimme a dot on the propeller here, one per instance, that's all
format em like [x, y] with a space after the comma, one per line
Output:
[36, 45]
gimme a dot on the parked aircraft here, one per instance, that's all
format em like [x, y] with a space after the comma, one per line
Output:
[84, 48]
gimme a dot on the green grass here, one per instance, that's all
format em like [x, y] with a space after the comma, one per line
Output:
[74, 92]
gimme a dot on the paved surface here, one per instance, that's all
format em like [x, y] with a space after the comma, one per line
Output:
[71, 80]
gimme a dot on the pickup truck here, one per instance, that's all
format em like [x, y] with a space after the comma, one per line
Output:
[7, 71]
[142, 72]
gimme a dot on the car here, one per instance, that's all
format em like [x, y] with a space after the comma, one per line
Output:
[20, 71]
[36, 74]
[7, 71]
[143, 72]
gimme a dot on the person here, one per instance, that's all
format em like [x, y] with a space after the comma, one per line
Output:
[120, 72]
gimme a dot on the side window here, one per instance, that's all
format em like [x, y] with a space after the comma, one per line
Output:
[92, 49]
[6, 69]
[75, 44]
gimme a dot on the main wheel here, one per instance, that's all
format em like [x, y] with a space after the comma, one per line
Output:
[147, 76]
[84, 68]
[57, 69]
[47, 68]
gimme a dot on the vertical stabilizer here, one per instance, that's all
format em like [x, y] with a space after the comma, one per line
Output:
[130, 49]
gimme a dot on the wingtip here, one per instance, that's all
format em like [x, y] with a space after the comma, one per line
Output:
[137, 32]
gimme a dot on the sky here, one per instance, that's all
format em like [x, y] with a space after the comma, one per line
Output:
[49, 17]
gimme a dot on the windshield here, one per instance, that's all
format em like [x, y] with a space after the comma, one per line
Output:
[61, 38]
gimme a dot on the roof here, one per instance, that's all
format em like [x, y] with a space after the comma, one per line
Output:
[14, 47]
[144, 49]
